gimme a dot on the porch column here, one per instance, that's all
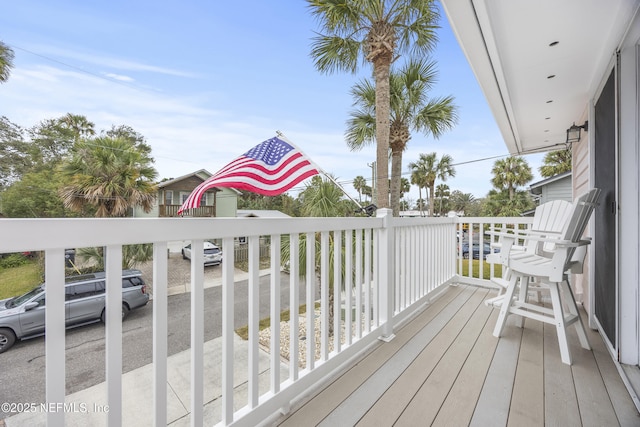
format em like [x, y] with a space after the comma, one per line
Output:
[385, 261]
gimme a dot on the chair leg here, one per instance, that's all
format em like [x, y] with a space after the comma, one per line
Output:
[523, 296]
[561, 330]
[573, 310]
[506, 304]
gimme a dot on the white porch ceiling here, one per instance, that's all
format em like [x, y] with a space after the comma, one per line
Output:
[537, 89]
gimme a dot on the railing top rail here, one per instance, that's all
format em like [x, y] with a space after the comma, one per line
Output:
[496, 220]
[18, 235]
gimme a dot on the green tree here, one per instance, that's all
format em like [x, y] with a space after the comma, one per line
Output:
[411, 111]
[35, 195]
[283, 203]
[52, 139]
[460, 202]
[6, 62]
[13, 152]
[322, 198]
[556, 162]
[377, 32]
[110, 174]
[511, 173]
[501, 203]
[419, 178]
[79, 125]
[358, 184]
[127, 132]
[431, 168]
[405, 186]
[442, 194]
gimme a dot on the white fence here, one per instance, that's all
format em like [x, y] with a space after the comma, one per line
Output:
[385, 269]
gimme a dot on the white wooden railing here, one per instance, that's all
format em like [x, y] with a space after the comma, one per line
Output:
[391, 267]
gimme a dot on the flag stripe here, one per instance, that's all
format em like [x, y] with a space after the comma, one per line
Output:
[271, 168]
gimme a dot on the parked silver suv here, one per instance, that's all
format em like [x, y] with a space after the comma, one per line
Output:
[23, 316]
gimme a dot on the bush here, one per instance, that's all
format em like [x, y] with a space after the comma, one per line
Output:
[13, 260]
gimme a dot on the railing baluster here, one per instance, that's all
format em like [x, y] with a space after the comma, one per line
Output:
[254, 319]
[197, 332]
[359, 265]
[337, 289]
[228, 300]
[348, 286]
[54, 333]
[275, 313]
[160, 332]
[113, 338]
[367, 280]
[294, 304]
[311, 295]
[324, 295]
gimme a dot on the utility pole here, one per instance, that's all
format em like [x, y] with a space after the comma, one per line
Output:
[374, 193]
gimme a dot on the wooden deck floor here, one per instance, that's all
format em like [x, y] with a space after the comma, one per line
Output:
[446, 368]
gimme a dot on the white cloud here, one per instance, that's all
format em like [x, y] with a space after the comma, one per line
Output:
[119, 77]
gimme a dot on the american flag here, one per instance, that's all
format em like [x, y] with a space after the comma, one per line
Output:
[270, 168]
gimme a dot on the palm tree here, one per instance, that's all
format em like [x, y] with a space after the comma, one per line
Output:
[410, 110]
[359, 183]
[6, 62]
[461, 201]
[80, 125]
[556, 162]
[110, 174]
[442, 192]
[405, 186]
[432, 169]
[377, 32]
[419, 178]
[323, 198]
[510, 173]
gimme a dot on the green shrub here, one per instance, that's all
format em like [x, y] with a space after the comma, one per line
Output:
[14, 260]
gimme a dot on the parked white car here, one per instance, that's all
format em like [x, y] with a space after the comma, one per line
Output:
[212, 253]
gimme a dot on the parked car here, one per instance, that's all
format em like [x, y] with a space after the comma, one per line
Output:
[486, 250]
[23, 316]
[212, 253]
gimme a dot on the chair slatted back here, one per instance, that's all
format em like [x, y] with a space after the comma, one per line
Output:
[549, 220]
[581, 211]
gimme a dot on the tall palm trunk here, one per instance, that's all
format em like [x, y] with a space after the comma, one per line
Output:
[431, 199]
[396, 171]
[382, 68]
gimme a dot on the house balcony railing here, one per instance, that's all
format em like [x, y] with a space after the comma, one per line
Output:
[170, 211]
[392, 267]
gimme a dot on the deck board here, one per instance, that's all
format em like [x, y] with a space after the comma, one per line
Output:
[313, 412]
[458, 408]
[561, 402]
[391, 405]
[445, 368]
[492, 407]
[426, 403]
[527, 400]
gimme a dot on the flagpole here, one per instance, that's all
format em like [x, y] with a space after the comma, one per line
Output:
[329, 177]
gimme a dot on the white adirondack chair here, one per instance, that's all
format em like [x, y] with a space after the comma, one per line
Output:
[548, 221]
[548, 264]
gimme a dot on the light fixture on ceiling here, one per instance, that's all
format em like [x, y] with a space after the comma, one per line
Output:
[573, 133]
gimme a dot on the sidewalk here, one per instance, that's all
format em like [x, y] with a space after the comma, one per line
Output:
[88, 406]
[137, 392]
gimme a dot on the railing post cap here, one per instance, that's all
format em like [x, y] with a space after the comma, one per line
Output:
[381, 212]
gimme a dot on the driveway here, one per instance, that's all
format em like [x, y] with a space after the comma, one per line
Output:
[179, 274]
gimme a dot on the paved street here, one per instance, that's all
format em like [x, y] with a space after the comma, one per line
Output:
[23, 367]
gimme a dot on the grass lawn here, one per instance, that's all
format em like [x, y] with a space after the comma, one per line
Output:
[18, 280]
[475, 265]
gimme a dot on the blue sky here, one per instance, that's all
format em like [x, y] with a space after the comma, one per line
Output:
[206, 81]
